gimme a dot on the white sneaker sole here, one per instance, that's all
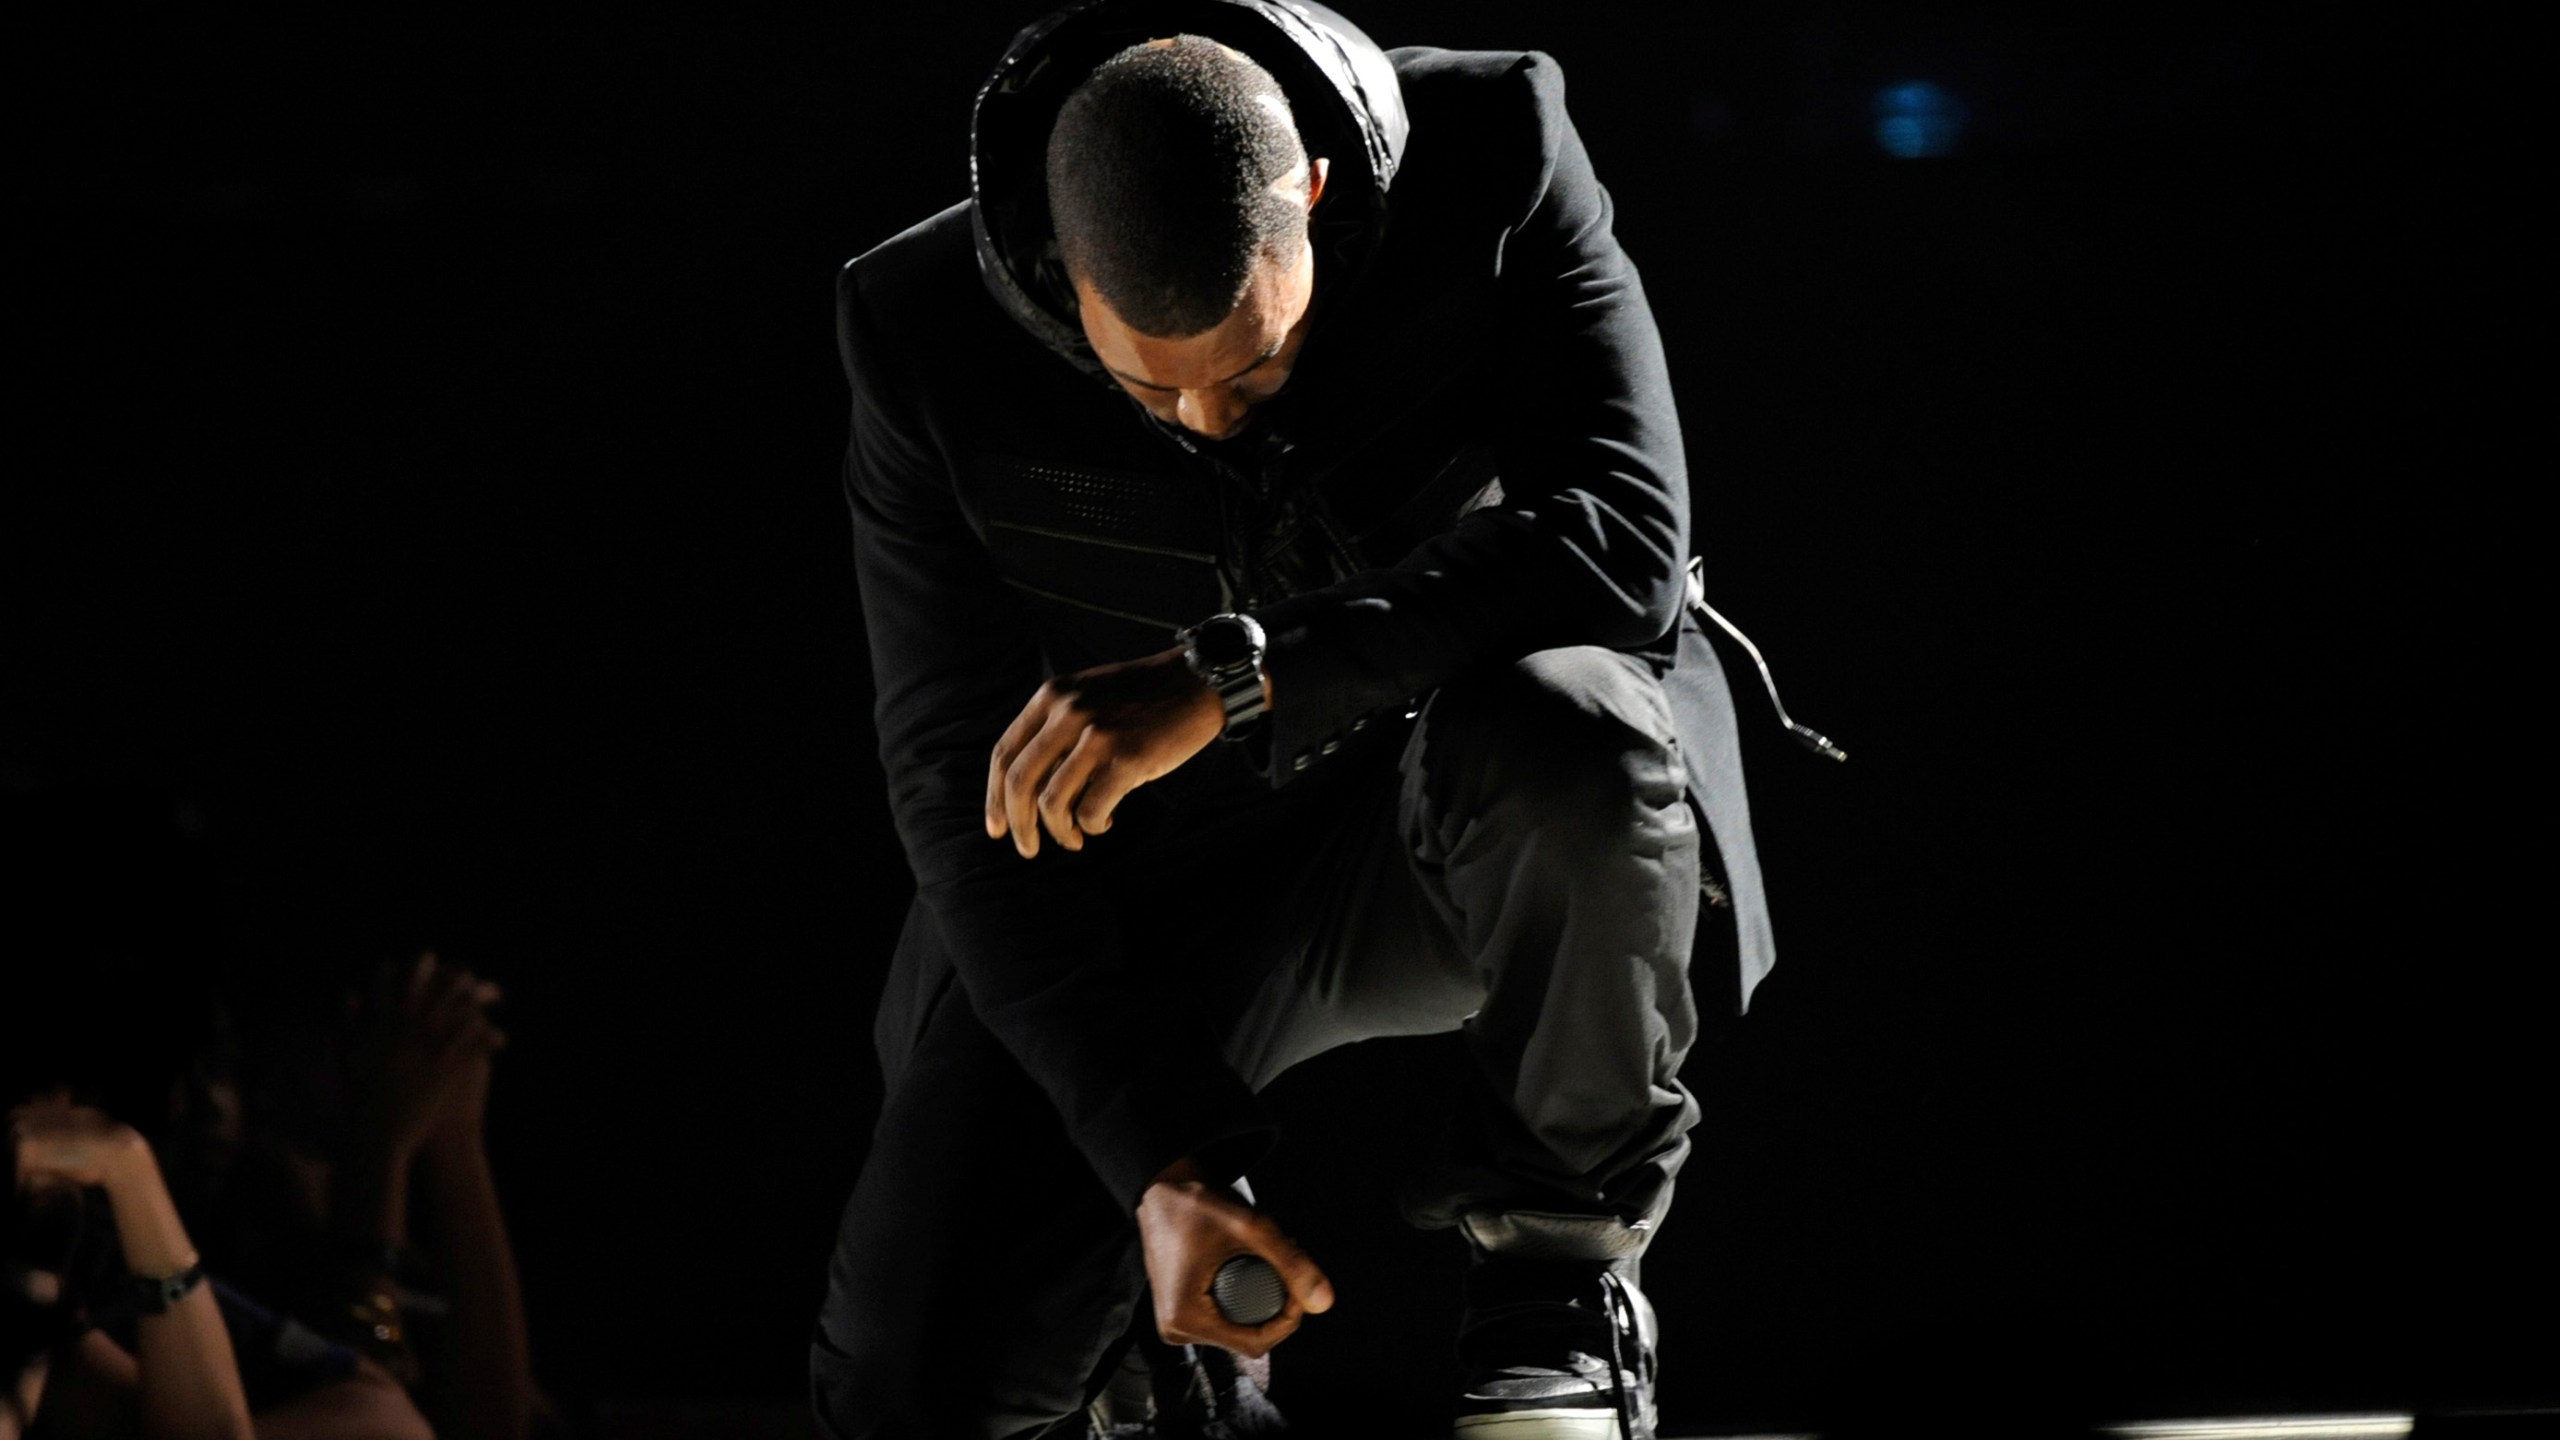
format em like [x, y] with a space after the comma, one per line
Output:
[1539, 1425]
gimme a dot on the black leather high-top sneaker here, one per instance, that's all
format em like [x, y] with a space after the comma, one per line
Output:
[1558, 1342]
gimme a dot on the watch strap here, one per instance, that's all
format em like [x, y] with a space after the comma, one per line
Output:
[159, 1294]
[1241, 697]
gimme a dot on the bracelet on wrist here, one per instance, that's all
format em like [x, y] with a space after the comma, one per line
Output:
[158, 1294]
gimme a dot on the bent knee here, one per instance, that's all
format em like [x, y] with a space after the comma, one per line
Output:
[1580, 722]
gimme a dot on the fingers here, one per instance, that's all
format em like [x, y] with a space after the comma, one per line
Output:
[1058, 796]
[388, 991]
[54, 1102]
[1194, 1319]
[1211, 1328]
[1000, 760]
[1308, 1286]
[1022, 779]
[1192, 1314]
[1110, 784]
[414, 992]
[455, 1001]
[54, 1139]
[439, 1008]
[1137, 720]
[476, 1038]
[54, 1109]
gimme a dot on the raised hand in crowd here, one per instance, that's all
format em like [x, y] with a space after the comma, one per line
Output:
[419, 1063]
[419, 1072]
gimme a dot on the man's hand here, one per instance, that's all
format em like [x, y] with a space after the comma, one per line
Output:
[1188, 1228]
[1086, 740]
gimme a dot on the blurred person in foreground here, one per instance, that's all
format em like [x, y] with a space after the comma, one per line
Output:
[1273, 535]
[109, 1326]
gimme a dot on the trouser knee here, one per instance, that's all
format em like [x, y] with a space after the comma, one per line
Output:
[1577, 741]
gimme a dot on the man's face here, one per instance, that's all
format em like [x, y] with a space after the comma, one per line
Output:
[1209, 383]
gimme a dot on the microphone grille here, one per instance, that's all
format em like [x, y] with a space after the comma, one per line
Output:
[1248, 1290]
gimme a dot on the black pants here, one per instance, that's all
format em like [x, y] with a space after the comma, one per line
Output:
[1524, 869]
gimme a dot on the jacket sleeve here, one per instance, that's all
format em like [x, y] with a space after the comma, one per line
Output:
[1138, 1082]
[1588, 542]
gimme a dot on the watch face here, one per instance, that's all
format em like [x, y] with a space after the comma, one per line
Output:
[1222, 643]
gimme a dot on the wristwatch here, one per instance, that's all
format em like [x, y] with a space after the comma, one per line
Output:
[1226, 652]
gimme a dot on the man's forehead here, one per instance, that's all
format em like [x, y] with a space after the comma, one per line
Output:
[1268, 351]
[1229, 350]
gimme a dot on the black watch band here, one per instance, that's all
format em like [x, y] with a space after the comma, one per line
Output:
[1225, 651]
[160, 1294]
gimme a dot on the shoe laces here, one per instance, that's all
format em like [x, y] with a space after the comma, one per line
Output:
[1621, 1309]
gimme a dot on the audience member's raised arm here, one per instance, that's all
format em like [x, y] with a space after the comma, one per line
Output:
[421, 1076]
[484, 1386]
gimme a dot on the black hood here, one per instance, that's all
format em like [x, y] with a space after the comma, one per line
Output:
[1340, 86]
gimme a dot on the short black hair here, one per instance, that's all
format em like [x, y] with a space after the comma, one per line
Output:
[1162, 170]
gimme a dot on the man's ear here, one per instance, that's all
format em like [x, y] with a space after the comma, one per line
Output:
[1317, 169]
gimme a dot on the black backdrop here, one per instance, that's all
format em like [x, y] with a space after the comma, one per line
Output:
[429, 529]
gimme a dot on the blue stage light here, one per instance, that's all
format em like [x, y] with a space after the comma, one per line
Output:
[1916, 120]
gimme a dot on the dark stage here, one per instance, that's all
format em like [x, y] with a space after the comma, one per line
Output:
[428, 528]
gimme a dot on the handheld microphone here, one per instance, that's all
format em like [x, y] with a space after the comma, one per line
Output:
[1248, 1290]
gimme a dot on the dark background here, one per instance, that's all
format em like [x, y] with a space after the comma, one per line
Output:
[425, 525]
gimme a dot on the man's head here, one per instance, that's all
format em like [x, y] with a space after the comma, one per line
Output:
[1180, 193]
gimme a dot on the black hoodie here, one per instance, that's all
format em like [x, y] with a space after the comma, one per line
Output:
[1476, 457]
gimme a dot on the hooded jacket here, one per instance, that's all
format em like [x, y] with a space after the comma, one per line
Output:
[1476, 457]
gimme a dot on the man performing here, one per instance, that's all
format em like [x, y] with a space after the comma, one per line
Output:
[1273, 537]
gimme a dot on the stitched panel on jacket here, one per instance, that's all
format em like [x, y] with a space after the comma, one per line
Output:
[1168, 512]
[1134, 546]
